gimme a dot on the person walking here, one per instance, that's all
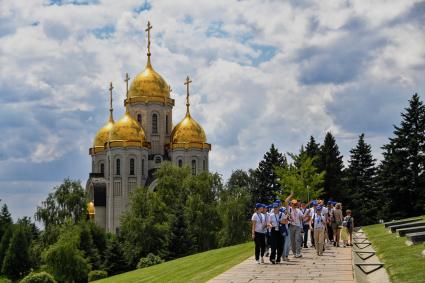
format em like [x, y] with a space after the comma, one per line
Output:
[277, 220]
[318, 224]
[259, 223]
[296, 218]
[347, 229]
[286, 237]
[305, 223]
[312, 213]
[269, 209]
[337, 223]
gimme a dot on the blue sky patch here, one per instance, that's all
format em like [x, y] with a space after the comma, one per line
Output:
[145, 7]
[104, 32]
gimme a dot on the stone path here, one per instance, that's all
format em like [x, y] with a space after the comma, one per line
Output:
[334, 266]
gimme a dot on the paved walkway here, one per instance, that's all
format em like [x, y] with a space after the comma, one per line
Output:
[334, 266]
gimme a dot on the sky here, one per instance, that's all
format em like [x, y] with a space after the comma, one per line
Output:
[263, 72]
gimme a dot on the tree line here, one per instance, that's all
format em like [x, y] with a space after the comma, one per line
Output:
[187, 214]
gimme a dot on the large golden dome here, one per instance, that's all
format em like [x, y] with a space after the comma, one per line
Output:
[149, 84]
[126, 132]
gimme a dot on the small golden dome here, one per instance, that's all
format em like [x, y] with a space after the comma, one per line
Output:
[90, 208]
[188, 131]
[149, 83]
[126, 132]
[102, 135]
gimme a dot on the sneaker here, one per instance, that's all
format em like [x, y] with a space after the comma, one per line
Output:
[273, 261]
[298, 255]
[262, 260]
[257, 261]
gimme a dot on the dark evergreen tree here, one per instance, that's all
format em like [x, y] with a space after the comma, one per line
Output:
[312, 149]
[17, 261]
[181, 243]
[268, 187]
[115, 262]
[4, 244]
[88, 247]
[331, 162]
[401, 173]
[361, 182]
[5, 220]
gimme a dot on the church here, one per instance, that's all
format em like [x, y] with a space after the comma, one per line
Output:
[126, 153]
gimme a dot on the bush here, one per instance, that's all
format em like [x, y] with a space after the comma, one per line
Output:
[97, 274]
[41, 277]
[150, 260]
[5, 280]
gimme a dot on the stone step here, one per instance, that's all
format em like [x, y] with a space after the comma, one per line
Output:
[407, 225]
[402, 232]
[415, 238]
[402, 221]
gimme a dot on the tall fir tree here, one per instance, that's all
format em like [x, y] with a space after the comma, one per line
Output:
[5, 220]
[312, 149]
[401, 173]
[331, 162]
[115, 262]
[268, 187]
[361, 182]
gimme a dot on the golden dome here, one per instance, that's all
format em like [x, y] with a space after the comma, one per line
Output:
[102, 136]
[90, 208]
[188, 131]
[149, 84]
[126, 132]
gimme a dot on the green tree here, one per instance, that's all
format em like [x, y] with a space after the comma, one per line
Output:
[361, 181]
[115, 262]
[312, 149]
[401, 172]
[88, 247]
[64, 260]
[4, 244]
[17, 261]
[5, 220]
[268, 187]
[331, 162]
[67, 201]
[301, 177]
[145, 226]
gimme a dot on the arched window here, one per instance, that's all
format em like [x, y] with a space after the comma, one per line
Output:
[139, 119]
[166, 124]
[143, 167]
[154, 123]
[158, 159]
[132, 166]
[193, 167]
[118, 169]
[102, 169]
[180, 163]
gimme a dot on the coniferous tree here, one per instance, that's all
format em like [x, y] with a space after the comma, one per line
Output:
[5, 220]
[181, 241]
[401, 173]
[4, 244]
[17, 261]
[88, 247]
[361, 182]
[312, 149]
[268, 187]
[115, 262]
[331, 162]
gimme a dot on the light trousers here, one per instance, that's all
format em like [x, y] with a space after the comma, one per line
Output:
[296, 239]
[319, 239]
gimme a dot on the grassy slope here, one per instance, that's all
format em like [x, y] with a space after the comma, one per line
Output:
[195, 268]
[403, 263]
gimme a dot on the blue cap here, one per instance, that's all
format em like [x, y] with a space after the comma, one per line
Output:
[275, 205]
[259, 205]
[314, 202]
[334, 202]
[319, 207]
[278, 201]
[282, 209]
[330, 202]
[269, 206]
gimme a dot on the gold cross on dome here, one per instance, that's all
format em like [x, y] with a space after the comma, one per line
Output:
[186, 83]
[110, 95]
[127, 78]
[149, 37]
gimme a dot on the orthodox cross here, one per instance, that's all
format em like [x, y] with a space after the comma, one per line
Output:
[186, 83]
[110, 99]
[127, 78]
[149, 37]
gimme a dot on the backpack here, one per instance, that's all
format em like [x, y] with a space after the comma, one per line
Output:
[349, 222]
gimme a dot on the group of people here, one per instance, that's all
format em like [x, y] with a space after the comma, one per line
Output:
[282, 227]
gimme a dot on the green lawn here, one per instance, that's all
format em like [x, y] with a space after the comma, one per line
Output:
[195, 268]
[403, 263]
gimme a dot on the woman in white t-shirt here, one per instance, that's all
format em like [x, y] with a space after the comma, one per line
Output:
[259, 224]
[318, 223]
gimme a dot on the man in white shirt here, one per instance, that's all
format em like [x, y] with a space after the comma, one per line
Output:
[312, 212]
[259, 224]
[318, 223]
[296, 218]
